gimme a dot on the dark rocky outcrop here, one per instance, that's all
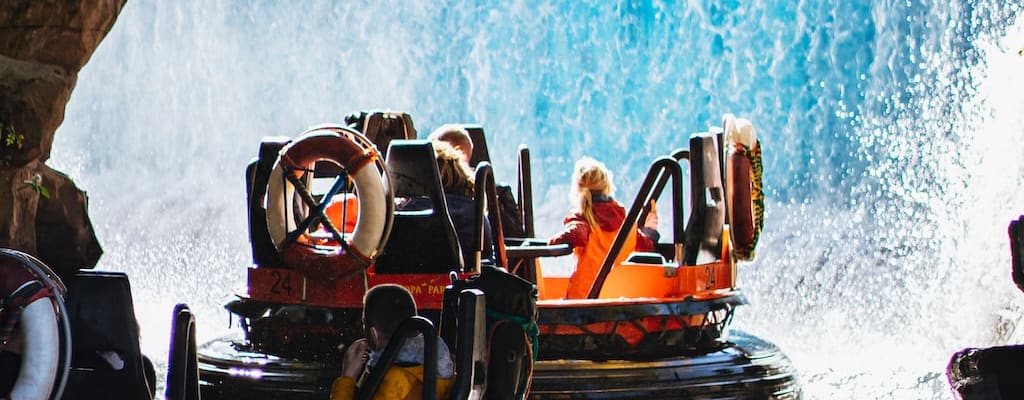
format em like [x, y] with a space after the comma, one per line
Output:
[64, 33]
[32, 101]
[43, 45]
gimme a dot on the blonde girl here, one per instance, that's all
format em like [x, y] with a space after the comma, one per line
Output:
[591, 227]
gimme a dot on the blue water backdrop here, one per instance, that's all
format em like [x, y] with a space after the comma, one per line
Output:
[891, 134]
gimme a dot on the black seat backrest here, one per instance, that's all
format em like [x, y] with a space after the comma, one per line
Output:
[381, 127]
[102, 319]
[707, 216]
[512, 302]
[422, 238]
[480, 153]
[463, 327]
[264, 253]
[509, 361]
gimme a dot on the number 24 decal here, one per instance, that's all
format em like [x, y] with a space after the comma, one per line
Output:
[282, 283]
[711, 279]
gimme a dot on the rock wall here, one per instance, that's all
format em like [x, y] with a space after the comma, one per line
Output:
[43, 45]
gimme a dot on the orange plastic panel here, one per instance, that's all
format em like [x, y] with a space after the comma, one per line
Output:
[541, 288]
[641, 280]
[698, 279]
[344, 208]
[288, 286]
[553, 287]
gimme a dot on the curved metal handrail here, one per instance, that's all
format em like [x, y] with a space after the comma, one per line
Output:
[470, 357]
[415, 324]
[486, 196]
[182, 363]
[526, 191]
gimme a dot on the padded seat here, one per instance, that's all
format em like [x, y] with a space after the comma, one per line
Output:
[480, 152]
[467, 345]
[504, 345]
[264, 253]
[423, 239]
[102, 319]
[463, 326]
[381, 127]
[707, 216]
[493, 359]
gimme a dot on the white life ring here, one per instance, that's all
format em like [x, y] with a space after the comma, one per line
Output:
[336, 145]
[38, 329]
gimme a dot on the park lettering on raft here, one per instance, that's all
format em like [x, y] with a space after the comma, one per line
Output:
[425, 288]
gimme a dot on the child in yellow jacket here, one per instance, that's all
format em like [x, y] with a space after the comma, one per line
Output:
[384, 308]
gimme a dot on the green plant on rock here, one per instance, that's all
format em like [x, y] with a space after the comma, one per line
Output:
[36, 184]
[10, 141]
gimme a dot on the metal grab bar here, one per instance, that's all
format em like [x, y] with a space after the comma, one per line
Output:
[182, 366]
[486, 196]
[415, 324]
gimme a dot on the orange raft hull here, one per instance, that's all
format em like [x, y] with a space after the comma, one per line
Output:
[642, 310]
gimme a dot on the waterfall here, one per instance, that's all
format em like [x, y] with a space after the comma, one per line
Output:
[888, 133]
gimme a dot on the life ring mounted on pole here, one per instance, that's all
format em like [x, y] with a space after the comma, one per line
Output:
[335, 234]
[744, 194]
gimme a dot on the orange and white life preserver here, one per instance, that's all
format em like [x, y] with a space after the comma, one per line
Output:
[359, 160]
[29, 305]
[745, 199]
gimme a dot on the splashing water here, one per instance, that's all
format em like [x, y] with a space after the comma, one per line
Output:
[889, 132]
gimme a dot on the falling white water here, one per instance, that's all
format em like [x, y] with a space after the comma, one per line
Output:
[891, 133]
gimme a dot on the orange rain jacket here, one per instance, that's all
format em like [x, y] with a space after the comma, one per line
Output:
[590, 245]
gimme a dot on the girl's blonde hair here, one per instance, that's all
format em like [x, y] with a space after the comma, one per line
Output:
[589, 178]
[456, 177]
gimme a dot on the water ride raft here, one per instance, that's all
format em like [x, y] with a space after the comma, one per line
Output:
[666, 338]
